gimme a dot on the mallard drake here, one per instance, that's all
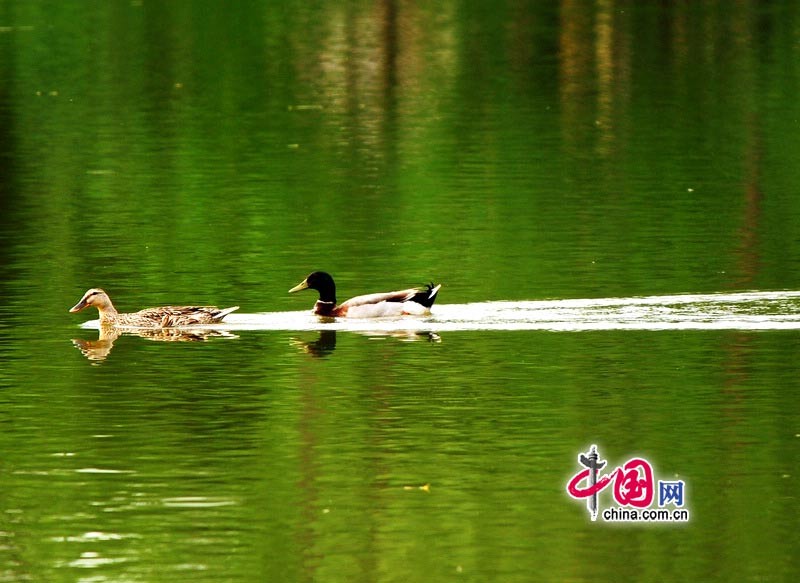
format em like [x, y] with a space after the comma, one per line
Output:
[163, 317]
[411, 302]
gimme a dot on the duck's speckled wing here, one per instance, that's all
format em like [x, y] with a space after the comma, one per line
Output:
[171, 316]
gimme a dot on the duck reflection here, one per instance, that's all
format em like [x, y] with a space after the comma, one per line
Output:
[98, 350]
[325, 344]
[319, 348]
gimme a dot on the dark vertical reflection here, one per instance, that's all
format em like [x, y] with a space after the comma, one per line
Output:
[391, 47]
[745, 43]
[577, 75]
[7, 133]
[9, 197]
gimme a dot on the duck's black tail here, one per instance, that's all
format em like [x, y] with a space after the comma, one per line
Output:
[427, 296]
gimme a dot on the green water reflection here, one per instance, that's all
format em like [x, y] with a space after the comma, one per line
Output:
[195, 152]
[298, 467]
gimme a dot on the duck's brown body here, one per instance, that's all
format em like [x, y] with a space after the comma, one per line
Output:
[161, 317]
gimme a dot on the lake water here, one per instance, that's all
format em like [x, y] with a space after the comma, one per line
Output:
[607, 191]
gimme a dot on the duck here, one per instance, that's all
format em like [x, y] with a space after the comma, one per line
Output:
[162, 317]
[407, 302]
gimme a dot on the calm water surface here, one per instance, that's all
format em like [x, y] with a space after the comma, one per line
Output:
[537, 159]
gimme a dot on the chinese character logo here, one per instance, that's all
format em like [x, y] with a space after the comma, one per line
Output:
[670, 493]
[634, 490]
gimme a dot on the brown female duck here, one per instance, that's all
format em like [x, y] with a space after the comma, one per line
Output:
[163, 317]
[408, 302]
